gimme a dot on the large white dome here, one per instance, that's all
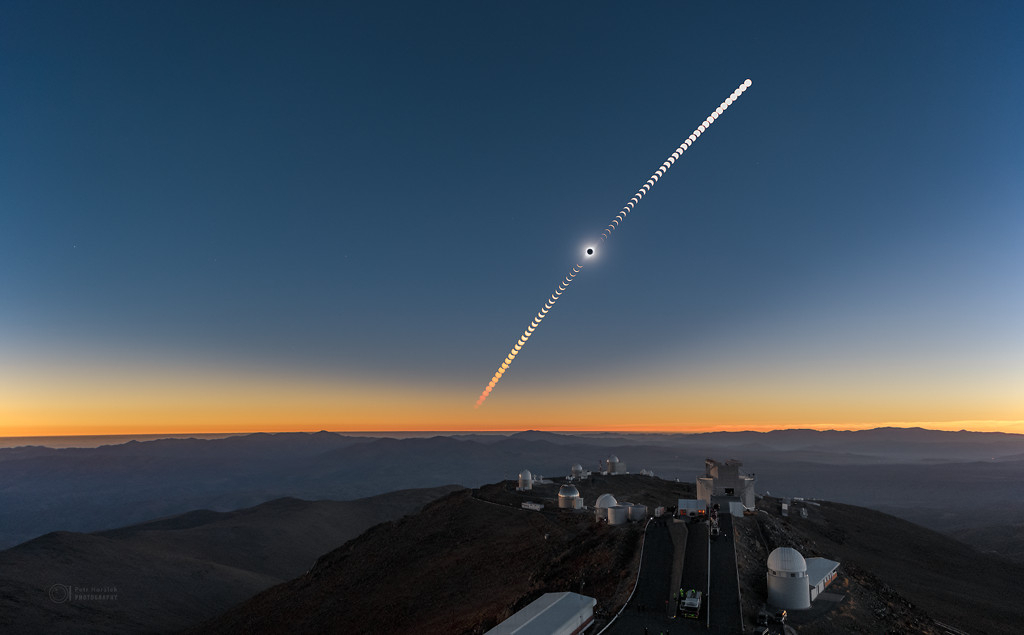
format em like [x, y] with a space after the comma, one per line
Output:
[787, 560]
[606, 500]
[613, 459]
[525, 475]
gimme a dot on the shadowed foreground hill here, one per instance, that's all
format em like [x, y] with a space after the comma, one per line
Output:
[171, 573]
[465, 563]
[459, 566]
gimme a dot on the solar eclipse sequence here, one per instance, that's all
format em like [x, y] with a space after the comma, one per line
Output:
[591, 251]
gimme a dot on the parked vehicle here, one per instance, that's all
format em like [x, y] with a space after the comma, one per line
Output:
[689, 603]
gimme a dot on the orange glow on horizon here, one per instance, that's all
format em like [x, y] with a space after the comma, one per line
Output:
[125, 399]
[127, 424]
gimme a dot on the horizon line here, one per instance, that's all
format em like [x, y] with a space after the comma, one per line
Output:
[923, 425]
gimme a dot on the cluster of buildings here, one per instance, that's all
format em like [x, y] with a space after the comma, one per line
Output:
[611, 465]
[569, 613]
[616, 513]
[527, 480]
[793, 581]
[606, 507]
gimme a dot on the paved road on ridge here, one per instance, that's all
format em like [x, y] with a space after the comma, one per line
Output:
[649, 609]
[649, 606]
[724, 597]
[695, 575]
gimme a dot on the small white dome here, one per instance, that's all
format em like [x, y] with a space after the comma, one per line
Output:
[606, 500]
[568, 491]
[576, 469]
[613, 459]
[787, 560]
[525, 475]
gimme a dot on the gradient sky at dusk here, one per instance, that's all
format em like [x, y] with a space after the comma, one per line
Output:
[272, 216]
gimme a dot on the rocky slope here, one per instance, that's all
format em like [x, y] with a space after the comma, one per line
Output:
[461, 566]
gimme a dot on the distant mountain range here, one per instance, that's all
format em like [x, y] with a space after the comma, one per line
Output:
[913, 472]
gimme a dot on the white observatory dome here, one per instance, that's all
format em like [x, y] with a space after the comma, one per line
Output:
[568, 491]
[525, 480]
[576, 469]
[606, 500]
[569, 497]
[787, 580]
[613, 459]
[787, 560]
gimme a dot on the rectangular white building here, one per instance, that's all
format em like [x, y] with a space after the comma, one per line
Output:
[551, 614]
[820, 573]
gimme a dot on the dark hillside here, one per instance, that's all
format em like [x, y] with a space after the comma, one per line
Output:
[460, 566]
[1002, 540]
[897, 575]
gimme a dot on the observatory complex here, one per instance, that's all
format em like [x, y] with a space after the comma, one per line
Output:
[568, 498]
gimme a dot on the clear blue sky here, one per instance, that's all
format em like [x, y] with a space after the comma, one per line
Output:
[382, 196]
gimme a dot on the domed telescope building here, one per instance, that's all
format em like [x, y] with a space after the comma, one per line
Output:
[604, 501]
[569, 497]
[525, 481]
[612, 465]
[794, 582]
[787, 579]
